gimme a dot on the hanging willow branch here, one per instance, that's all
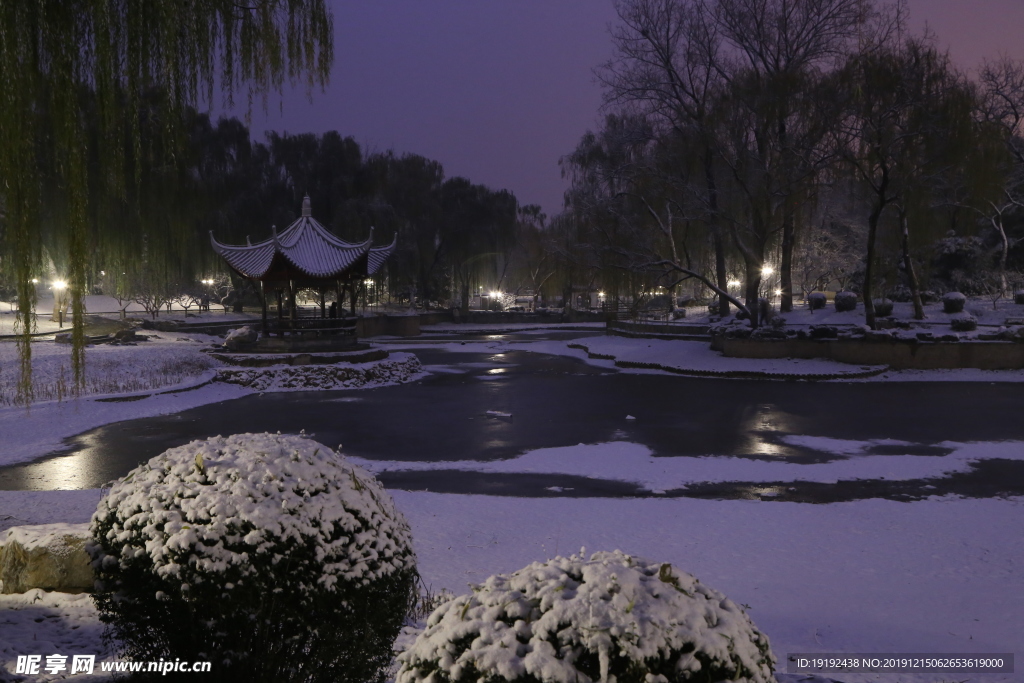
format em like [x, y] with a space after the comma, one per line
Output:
[74, 79]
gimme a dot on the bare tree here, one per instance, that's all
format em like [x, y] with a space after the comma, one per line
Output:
[668, 66]
[1002, 107]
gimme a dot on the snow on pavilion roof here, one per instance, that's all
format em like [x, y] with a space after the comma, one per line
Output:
[307, 246]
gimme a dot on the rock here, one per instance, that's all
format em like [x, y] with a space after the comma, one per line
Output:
[62, 338]
[240, 338]
[47, 556]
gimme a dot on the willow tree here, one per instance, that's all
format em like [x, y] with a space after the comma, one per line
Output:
[66, 62]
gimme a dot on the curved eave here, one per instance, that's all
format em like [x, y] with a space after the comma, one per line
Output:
[251, 261]
[316, 264]
[376, 257]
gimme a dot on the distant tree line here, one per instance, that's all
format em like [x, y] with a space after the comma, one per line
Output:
[775, 147]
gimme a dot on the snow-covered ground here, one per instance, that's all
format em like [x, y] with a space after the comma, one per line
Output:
[108, 307]
[938, 576]
[941, 575]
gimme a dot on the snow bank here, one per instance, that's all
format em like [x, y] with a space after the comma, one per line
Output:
[636, 463]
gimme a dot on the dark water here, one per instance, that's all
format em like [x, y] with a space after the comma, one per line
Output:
[558, 401]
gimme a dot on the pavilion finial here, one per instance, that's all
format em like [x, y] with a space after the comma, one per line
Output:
[306, 210]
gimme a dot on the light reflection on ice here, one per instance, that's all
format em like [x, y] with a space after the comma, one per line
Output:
[67, 472]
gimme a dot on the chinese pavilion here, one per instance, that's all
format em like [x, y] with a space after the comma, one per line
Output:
[305, 256]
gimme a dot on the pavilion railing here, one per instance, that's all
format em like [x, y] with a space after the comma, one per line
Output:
[311, 327]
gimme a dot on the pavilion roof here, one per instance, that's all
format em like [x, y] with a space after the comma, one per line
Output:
[308, 247]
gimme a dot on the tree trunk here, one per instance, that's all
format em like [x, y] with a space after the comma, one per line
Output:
[721, 277]
[786, 267]
[869, 270]
[753, 277]
[908, 264]
[1004, 250]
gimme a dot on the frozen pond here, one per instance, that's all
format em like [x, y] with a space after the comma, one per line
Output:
[539, 401]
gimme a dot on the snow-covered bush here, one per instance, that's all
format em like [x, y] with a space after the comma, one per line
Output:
[845, 301]
[817, 300]
[883, 307]
[268, 555]
[571, 620]
[953, 302]
[963, 322]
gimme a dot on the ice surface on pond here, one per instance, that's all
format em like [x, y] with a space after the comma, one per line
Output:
[636, 463]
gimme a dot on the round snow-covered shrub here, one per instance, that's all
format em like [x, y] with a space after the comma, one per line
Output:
[571, 620]
[883, 307]
[817, 300]
[845, 301]
[963, 322]
[268, 555]
[953, 302]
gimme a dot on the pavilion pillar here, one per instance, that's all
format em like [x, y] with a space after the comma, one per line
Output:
[263, 300]
[323, 306]
[291, 299]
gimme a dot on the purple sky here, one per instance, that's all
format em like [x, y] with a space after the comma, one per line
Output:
[498, 90]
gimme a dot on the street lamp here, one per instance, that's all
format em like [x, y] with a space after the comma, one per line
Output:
[59, 286]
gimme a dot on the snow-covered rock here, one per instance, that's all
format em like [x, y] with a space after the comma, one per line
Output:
[240, 338]
[401, 367]
[573, 620]
[47, 556]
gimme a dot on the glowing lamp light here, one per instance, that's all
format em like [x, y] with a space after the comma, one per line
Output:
[495, 294]
[778, 292]
[59, 284]
[767, 270]
[734, 283]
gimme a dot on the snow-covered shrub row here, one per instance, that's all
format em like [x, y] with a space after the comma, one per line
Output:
[269, 555]
[963, 322]
[571, 620]
[883, 307]
[953, 302]
[845, 301]
[395, 370]
[817, 300]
